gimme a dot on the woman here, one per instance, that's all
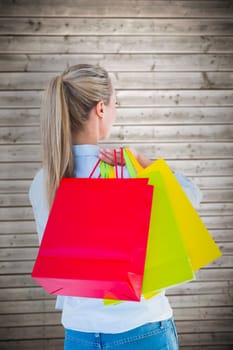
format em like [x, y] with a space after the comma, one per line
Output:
[78, 111]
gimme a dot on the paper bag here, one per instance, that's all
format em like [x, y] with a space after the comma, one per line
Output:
[95, 240]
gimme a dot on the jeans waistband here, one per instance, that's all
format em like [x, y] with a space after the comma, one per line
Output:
[146, 328]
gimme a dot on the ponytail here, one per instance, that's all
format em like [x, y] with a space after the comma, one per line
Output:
[66, 105]
[56, 138]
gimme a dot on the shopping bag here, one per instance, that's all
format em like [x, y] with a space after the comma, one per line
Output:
[94, 244]
[198, 241]
[167, 262]
[173, 217]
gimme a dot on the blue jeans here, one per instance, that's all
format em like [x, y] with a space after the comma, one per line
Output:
[151, 336]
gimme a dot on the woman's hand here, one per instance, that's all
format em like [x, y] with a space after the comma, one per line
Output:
[107, 155]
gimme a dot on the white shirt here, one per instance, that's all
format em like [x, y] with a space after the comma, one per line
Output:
[90, 314]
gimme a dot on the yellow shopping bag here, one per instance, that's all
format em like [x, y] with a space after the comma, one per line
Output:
[199, 244]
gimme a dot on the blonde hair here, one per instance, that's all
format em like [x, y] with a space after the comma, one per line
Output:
[65, 109]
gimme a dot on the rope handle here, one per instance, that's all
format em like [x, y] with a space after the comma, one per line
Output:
[98, 161]
[115, 164]
[121, 163]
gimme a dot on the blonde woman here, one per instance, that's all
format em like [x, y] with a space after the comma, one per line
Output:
[78, 110]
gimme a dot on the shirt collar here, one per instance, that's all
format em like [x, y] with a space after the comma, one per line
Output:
[86, 150]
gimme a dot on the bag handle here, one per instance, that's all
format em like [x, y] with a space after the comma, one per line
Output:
[121, 164]
[93, 170]
[106, 168]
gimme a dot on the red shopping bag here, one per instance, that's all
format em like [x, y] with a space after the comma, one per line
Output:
[94, 244]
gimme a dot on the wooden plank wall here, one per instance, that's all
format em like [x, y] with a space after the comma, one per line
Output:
[172, 62]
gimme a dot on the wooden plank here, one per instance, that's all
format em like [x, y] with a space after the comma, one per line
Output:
[203, 313]
[25, 171]
[201, 287]
[26, 266]
[26, 320]
[223, 235]
[214, 274]
[215, 182]
[225, 260]
[18, 254]
[223, 183]
[213, 222]
[11, 135]
[17, 280]
[191, 288]
[19, 199]
[215, 195]
[146, 8]
[198, 301]
[156, 149]
[34, 332]
[227, 249]
[29, 306]
[217, 338]
[178, 115]
[198, 98]
[49, 332]
[118, 62]
[112, 26]
[19, 240]
[54, 319]
[26, 213]
[203, 133]
[31, 240]
[203, 326]
[201, 167]
[146, 115]
[29, 293]
[35, 344]
[42, 306]
[15, 227]
[221, 204]
[139, 133]
[218, 209]
[14, 186]
[29, 254]
[128, 80]
[25, 280]
[152, 116]
[26, 117]
[17, 99]
[116, 44]
[20, 153]
[132, 98]
[16, 214]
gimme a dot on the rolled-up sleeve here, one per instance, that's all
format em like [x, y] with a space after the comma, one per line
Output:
[191, 189]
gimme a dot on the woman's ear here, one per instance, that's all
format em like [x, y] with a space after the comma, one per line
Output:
[100, 108]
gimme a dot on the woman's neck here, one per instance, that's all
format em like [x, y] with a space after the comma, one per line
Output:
[89, 135]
